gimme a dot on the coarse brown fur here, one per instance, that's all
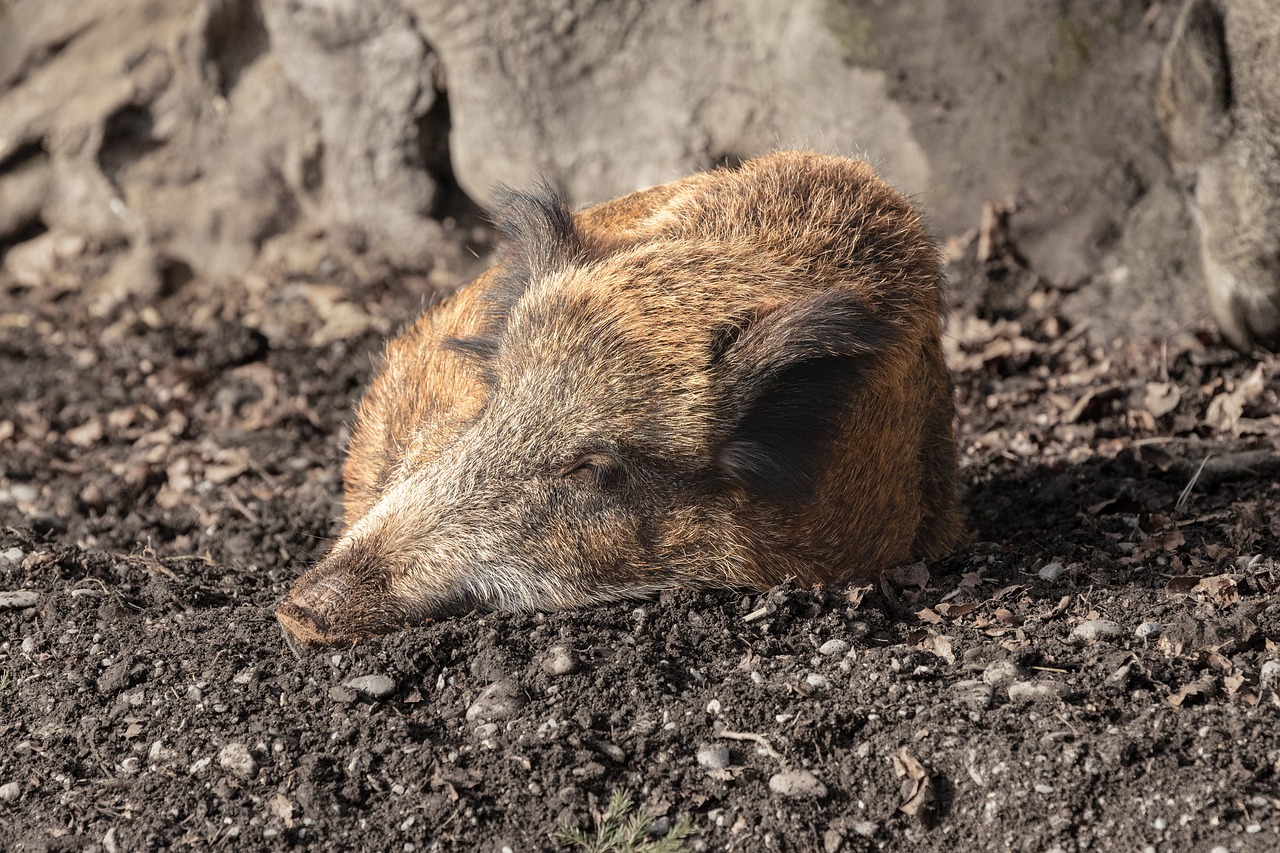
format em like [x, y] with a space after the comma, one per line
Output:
[730, 380]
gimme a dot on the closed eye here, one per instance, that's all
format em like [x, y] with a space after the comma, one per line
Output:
[598, 469]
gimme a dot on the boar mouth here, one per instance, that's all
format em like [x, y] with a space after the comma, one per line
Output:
[331, 610]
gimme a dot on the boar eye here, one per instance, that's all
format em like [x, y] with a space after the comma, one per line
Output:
[594, 468]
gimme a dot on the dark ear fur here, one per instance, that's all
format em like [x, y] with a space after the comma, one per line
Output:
[538, 236]
[790, 376]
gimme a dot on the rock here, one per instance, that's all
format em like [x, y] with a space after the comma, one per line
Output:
[12, 555]
[374, 686]
[10, 791]
[498, 701]
[1270, 673]
[975, 694]
[235, 758]
[1097, 629]
[560, 661]
[833, 647]
[1051, 571]
[1002, 672]
[797, 784]
[1148, 630]
[19, 599]
[816, 681]
[713, 756]
[1026, 692]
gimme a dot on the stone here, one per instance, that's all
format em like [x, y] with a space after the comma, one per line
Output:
[19, 599]
[374, 686]
[1097, 629]
[237, 760]
[713, 757]
[498, 701]
[832, 648]
[797, 784]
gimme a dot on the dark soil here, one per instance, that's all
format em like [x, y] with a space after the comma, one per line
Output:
[166, 471]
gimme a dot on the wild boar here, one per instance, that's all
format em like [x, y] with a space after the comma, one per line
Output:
[1219, 105]
[729, 380]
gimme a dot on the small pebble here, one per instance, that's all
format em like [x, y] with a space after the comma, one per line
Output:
[373, 686]
[28, 645]
[560, 661]
[816, 681]
[236, 758]
[1097, 629]
[1148, 630]
[833, 647]
[797, 784]
[1270, 672]
[12, 555]
[1037, 691]
[713, 757]
[498, 701]
[23, 492]
[10, 791]
[974, 694]
[485, 731]
[609, 750]
[1051, 571]
[866, 828]
[130, 765]
[1042, 788]
[18, 599]
[1002, 673]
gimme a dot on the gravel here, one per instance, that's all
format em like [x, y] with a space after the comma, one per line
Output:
[1097, 629]
[797, 784]
[18, 599]
[560, 661]
[1037, 691]
[498, 701]
[373, 686]
[713, 757]
[235, 758]
[833, 647]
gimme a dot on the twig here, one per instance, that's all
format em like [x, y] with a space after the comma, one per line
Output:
[1186, 492]
[756, 738]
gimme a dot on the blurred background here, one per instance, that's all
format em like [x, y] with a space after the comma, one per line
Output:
[151, 147]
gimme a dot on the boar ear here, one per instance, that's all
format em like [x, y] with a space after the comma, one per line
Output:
[791, 375]
[539, 235]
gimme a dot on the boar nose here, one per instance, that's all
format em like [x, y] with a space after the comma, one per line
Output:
[303, 625]
[307, 615]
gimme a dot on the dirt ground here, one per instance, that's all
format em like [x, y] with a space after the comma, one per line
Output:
[1096, 670]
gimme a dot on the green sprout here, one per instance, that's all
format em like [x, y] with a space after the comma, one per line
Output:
[619, 831]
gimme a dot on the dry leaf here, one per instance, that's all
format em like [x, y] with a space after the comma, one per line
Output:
[955, 611]
[1225, 409]
[1200, 690]
[914, 574]
[1222, 590]
[1162, 398]
[928, 615]
[282, 807]
[855, 594]
[919, 791]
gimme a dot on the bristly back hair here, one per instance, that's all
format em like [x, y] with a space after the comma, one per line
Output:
[538, 237]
